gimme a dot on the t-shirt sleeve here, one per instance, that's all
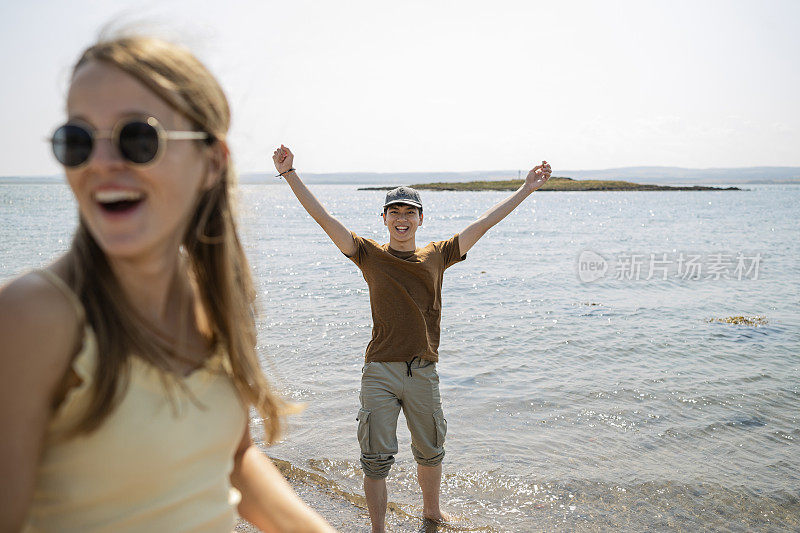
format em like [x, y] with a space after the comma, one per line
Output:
[361, 250]
[451, 251]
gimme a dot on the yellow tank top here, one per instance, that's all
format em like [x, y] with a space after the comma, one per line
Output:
[153, 465]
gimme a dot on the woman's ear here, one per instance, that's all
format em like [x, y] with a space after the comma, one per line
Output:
[420, 218]
[218, 161]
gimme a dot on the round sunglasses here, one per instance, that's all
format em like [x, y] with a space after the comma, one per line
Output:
[140, 141]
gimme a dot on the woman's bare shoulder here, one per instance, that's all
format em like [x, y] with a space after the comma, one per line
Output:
[39, 325]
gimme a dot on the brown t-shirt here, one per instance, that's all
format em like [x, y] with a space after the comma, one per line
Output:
[405, 293]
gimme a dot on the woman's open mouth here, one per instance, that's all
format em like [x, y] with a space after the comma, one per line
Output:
[118, 201]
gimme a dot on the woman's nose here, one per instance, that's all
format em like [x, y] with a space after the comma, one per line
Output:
[105, 154]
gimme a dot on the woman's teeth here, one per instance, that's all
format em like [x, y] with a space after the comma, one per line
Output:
[118, 200]
[107, 197]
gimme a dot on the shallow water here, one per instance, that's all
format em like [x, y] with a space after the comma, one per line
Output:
[587, 406]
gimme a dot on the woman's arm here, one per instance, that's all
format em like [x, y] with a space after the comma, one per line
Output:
[39, 331]
[340, 235]
[535, 179]
[268, 501]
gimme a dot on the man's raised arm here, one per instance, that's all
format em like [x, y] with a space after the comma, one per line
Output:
[340, 235]
[470, 235]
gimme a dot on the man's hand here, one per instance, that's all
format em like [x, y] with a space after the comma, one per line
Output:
[538, 176]
[340, 235]
[283, 159]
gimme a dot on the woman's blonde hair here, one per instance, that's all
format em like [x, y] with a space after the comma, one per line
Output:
[215, 258]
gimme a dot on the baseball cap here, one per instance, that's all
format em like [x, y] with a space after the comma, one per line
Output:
[403, 195]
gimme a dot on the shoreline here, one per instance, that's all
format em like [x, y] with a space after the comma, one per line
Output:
[344, 511]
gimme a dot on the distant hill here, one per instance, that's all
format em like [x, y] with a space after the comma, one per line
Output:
[663, 175]
[684, 175]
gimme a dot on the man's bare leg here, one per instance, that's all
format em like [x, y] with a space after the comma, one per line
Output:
[430, 480]
[377, 499]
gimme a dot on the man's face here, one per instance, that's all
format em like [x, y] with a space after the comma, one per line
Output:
[402, 221]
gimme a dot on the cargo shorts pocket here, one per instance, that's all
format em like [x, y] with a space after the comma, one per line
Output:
[440, 424]
[363, 430]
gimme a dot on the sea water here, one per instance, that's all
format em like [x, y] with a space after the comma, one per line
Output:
[592, 372]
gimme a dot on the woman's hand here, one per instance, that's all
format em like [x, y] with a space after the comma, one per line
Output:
[538, 176]
[283, 159]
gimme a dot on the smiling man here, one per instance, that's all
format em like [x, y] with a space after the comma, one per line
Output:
[405, 292]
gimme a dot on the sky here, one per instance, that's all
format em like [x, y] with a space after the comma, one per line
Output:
[379, 86]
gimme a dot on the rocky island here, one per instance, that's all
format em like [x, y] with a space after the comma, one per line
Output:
[553, 184]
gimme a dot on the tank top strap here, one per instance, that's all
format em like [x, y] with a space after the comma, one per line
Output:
[68, 293]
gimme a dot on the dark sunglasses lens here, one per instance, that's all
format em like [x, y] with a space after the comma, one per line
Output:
[72, 145]
[138, 142]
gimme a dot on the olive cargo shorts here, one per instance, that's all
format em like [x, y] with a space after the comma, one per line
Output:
[385, 388]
